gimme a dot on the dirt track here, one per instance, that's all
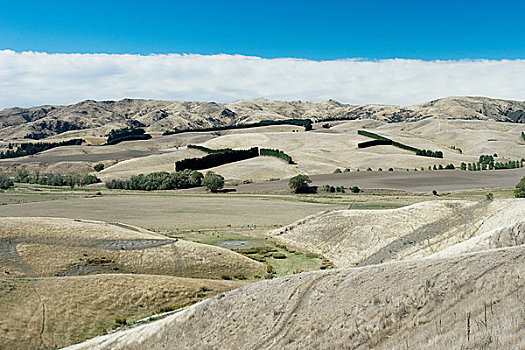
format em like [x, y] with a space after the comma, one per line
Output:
[420, 181]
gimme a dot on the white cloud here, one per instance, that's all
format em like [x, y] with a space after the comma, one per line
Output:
[32, 78]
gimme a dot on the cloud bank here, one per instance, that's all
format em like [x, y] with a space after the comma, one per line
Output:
[32, 78]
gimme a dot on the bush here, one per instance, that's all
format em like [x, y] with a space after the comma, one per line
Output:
[212, 181]
[369, 169]
[347, 170]
[299, 183]
[390, 169]
[98, 167]
[520, 189]
[337, 171]
[355, 189]
[450, 167]
[5, 182]
[490, 196]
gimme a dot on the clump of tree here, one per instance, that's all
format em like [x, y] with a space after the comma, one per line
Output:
[306, 123]
[71, 180]
[355, 189]
[212, 181]
[98, 167]
[520, 189]
[159, 181]
[299, 183]
[29, 148]
[450, 167]
[276, 153]
[126, 134]
[5, 182]
[523, 135]
[215, 159]
[337, 171]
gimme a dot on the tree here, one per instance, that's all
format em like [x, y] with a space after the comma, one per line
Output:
[98, 167]
[299, 183]
[520, 189]
[212, 181]
[5, 182]
[337, 171]
[355, 189]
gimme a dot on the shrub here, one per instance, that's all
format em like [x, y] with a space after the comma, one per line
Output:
[347, 170]
[98, 167]
[121, 321]
[490, 196]
[450, 167]
[520, 189]
[434, 192]
[299, 183]
[337, 171]
[5, 182]
[212, 181]
[355, 189]
[380, 169]
[390, 169]
[369, 169]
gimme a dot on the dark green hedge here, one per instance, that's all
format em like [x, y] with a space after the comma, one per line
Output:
[374, 143]
[28, 148]
[306, 123]
[126, 134]
[417, 151]
[276, 153]
[215, 159]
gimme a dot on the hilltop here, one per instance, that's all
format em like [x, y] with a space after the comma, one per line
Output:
[96, 118]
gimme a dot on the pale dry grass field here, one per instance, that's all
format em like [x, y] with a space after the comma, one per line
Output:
[46, 313]
[469, 301]
[46, 247]
[363, 237]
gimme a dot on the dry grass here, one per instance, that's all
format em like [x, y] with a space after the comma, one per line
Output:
[352, 237]
[415, 304]
[44, 247]
[45, 313]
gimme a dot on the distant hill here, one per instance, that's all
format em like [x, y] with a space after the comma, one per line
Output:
[98, 117]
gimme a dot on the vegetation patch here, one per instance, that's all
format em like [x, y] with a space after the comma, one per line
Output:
[29, 148]
[276, 153]
[386, 141]
[71, 180]
[221, 157]
[159, 181]
[306, 123]
[126, 134]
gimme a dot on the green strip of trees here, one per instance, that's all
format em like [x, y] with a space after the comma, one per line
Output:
[71, 180]
[276, 153]
[417, 151]
[29, 148]
[126, 134]
[159, 181]
[215, 159]
[306, 123]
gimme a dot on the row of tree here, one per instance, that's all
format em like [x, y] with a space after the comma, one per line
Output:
[70, 180]
[429, 153]
[215, 159]
[126, 134]
[276, 153]
[386, 141]
[29, 148]
[159, 181]
[513, 164]
[306, 123]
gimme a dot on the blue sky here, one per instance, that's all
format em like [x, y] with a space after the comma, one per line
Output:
[317, 30]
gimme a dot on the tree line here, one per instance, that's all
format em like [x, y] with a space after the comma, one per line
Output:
[276, 153]
[159, 181]
[126, 134]
[29, 148]
[384, 140]
[221, 157]
[306, 123]
[71, 180]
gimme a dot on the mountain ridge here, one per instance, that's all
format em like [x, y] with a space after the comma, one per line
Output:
[157, 116]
